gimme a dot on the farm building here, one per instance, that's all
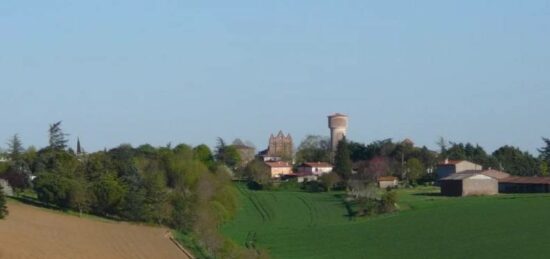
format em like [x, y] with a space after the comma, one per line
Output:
[449, 167]
[387, 181]
[491, 173]
[316, 168]
[519, 184]
[466, 184]
[279, 168]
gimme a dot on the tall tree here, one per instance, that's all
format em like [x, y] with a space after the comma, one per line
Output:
[342, 160]
[15, 148]
[545, 151]
[58, 140]
[415, 170]
[3, 208]
[516, 162]
[78, 147]
[313, 149]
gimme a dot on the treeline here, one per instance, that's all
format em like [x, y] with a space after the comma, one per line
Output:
[182, 187]
[413, 164]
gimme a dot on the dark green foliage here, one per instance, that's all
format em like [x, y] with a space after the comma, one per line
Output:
[313, 186]
[3, 207]
[516, 162]
[58, 140]
[15, 148]
[54, 188]
[342, 160]
[107, 195]
[545, 151]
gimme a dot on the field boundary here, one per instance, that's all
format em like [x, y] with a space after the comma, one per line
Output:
[180, 247]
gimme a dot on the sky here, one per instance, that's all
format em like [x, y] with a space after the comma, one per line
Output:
[159, 72]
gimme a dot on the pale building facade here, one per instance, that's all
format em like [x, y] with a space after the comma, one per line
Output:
[279, 168]
[316, 168]
[449, 167]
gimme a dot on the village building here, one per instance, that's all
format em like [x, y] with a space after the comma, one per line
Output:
[246, 153]
[467, 184]
[524, 184]
[316, 168]
[449, 167]
[387, 182]
[280, 148]
[305, 177]
[279, 168]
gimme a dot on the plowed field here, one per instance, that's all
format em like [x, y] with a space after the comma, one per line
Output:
[30, 232]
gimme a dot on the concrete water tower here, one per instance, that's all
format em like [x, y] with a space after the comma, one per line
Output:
[338, 124]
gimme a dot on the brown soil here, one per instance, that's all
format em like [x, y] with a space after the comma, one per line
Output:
[31, 232]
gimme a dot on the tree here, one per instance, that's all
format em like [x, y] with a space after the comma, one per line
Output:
[203, 154]
[330, 180]
[79, 196]
[18, 170]
[378, 166]
[78, 147]
[229, 155]
[342, 160]
[516, 162]
[545, 151]
[256, 171]
[313, 149]
[3, 207]
[442, 144]
[543, 168]
[58, 140]
[15, 148]
[108, 194]
[415, 170]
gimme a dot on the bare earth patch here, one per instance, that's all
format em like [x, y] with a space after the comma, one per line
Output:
[30, 232]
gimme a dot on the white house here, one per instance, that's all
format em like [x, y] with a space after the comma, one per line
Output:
[316, 168]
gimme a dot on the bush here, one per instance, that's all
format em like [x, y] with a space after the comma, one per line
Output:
[313, 186]
[388, 201]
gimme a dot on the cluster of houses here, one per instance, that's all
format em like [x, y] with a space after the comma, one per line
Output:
[464, 178]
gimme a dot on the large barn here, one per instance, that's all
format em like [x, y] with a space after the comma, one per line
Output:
[467, 184]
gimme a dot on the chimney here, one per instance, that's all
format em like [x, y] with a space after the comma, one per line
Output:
[446, 160]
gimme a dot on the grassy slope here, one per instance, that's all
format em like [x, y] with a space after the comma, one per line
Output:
[303, 225]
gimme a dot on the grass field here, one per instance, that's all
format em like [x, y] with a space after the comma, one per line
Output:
[32, 232]
[306, 225]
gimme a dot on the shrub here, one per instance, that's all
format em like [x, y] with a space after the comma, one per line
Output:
[3, 208]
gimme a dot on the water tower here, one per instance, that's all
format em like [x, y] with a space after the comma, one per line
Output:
[338, 124]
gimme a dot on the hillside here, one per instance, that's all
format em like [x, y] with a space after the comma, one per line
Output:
[303, 225]
[31, 232]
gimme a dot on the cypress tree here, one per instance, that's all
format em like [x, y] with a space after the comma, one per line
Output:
[342, 160]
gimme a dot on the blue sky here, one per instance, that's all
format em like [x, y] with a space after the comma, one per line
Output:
[190, 71]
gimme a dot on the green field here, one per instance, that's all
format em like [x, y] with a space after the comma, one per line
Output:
[315, 225]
